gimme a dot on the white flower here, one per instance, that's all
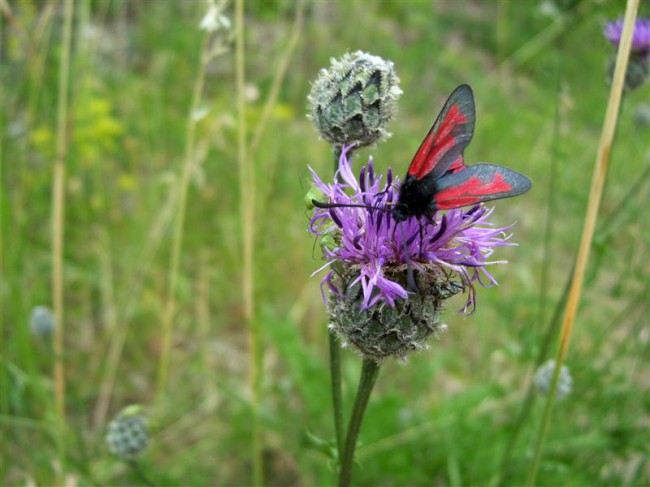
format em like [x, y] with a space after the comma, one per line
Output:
[213, 20]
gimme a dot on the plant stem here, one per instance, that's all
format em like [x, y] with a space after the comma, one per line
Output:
[337, 400]
[369, 372]
[58, 222]
[177, 238]
[335, 362]
[595, 194]
[247, 206]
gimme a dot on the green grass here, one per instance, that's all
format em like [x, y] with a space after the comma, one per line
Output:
[443, 418]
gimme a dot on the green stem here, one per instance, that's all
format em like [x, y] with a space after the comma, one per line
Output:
[369, 373]
[337, 400]
[335, 362]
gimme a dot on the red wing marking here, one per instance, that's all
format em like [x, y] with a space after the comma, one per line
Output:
[471, 191]
[457, 165]
[482, 182]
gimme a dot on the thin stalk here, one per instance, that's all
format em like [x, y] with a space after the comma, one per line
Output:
[58, 222]
[247, 206]
[335, 364]
[595, 195]
[177, 238]
[369, 373]
[337, 399]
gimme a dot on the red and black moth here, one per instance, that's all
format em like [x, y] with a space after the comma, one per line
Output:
[438, 179]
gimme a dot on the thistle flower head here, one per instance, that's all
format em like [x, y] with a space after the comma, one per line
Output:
[353, 100]
[41, 321]
[369, 255]
[544, 378]
[640, 37]
[638, 67]
[128, 433]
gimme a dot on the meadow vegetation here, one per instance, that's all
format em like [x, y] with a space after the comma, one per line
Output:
[447, 415]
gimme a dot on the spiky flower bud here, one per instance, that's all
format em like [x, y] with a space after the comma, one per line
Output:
[41, 321]
[544, 378]
[353, 101]
[128, 433]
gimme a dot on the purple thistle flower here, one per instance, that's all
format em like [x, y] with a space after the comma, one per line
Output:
[459, 241]
[640, 37]
[368, 254]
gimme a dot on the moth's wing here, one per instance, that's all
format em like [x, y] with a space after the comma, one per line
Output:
[448, 137]
[478, 183]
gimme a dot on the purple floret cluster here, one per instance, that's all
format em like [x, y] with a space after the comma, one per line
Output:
[454, 244]
[640, 37]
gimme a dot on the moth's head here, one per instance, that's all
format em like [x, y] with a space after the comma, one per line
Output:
[400, 212]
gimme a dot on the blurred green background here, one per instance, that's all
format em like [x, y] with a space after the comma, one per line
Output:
[538, 70]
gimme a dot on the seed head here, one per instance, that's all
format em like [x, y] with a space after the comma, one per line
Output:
[353, 101]
[128, 433]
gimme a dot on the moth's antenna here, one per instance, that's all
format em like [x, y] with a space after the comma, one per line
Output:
[319, 204]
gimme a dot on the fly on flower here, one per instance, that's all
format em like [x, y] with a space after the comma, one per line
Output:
[438, 179]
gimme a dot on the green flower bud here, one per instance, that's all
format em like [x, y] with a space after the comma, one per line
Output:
[353, 101]
[128, 433]
[382, 331]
